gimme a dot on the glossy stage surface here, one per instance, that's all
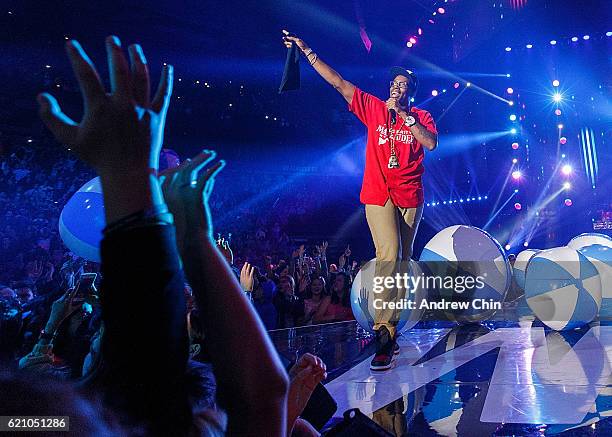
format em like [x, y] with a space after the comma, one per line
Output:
[496, 378]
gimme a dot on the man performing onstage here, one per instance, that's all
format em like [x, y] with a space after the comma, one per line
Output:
[392, 190]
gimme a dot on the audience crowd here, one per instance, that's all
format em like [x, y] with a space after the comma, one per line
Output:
[81, 331]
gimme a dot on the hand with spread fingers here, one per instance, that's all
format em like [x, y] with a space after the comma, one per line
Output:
[186, 190]
[121, 132]
[247, 279]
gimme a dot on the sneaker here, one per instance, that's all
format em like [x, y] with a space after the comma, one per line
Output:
[385, 350]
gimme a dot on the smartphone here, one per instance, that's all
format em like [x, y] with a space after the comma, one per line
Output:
[85, 286]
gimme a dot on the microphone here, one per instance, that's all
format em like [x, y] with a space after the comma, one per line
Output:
[395, 95]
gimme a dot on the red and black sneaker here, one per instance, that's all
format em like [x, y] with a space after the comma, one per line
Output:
[385, 350]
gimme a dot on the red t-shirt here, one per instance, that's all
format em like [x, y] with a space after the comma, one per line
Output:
[402, 184]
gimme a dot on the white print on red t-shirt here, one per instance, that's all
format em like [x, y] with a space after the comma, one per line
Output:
[401, 136]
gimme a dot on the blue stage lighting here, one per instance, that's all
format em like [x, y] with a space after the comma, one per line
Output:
[486, 197]
[553, 42]
[555, 83]
[508, 49]
[479, 198]
[529, 46]
[574, 38]
[513, 117]
[585, 37]
[608, 33]
[557, 97]
[513, 131]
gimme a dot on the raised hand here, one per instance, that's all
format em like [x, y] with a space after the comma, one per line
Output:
[247, 280]
[120, 131]
[347, 251]
[304, 282]
[289, 38]
[61, 309]
[363, 304]
[187, 189]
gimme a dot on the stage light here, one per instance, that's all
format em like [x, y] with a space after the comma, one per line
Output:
[408, 44]
[479, 198]
[444, 90]
[512, 117]
[514, 160]
[507, 246]
[434, 93]
[508, 49]
[568, 202]
[516, 175]
[513, 131]
[566, 169]
[510, 103]
[555, 82]
[441, 10]
[586, 37]
[461, 200]
[456, 85]
[486, 197]
[516, 190]
[563, 140]
[526, 244]
[413, 40]
[529, 46]
[509, 90]
[468, 84]
[557, 112]
[560, 126]
[507, 74]
[563, 155]
[557, 97]
[553, 42]
[518, 206]
[574, 38]
[420, 31]
[608, 33]
[567, 185]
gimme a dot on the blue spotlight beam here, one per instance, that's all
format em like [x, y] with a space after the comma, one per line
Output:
[498, 211]
[441, 116]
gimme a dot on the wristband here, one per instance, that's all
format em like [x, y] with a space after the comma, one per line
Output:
[157, 215]
[307, 53]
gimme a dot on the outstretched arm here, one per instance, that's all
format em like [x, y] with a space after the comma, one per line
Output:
[250, 377]
[330, 75]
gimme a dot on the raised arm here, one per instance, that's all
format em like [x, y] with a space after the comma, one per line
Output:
[330, 75]
[252, 383]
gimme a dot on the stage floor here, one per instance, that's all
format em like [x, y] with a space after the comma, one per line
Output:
[497, 378]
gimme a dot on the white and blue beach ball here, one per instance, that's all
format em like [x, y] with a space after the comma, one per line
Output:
[520, 265]
[589, 238]
[82, 221]
[465, 251]
[363, 297]
[601, 257]
[562, 288]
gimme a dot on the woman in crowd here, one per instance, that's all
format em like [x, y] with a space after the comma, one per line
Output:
[337, 307]
[314, 296]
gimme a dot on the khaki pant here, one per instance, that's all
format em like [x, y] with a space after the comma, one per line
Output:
[393, 230]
